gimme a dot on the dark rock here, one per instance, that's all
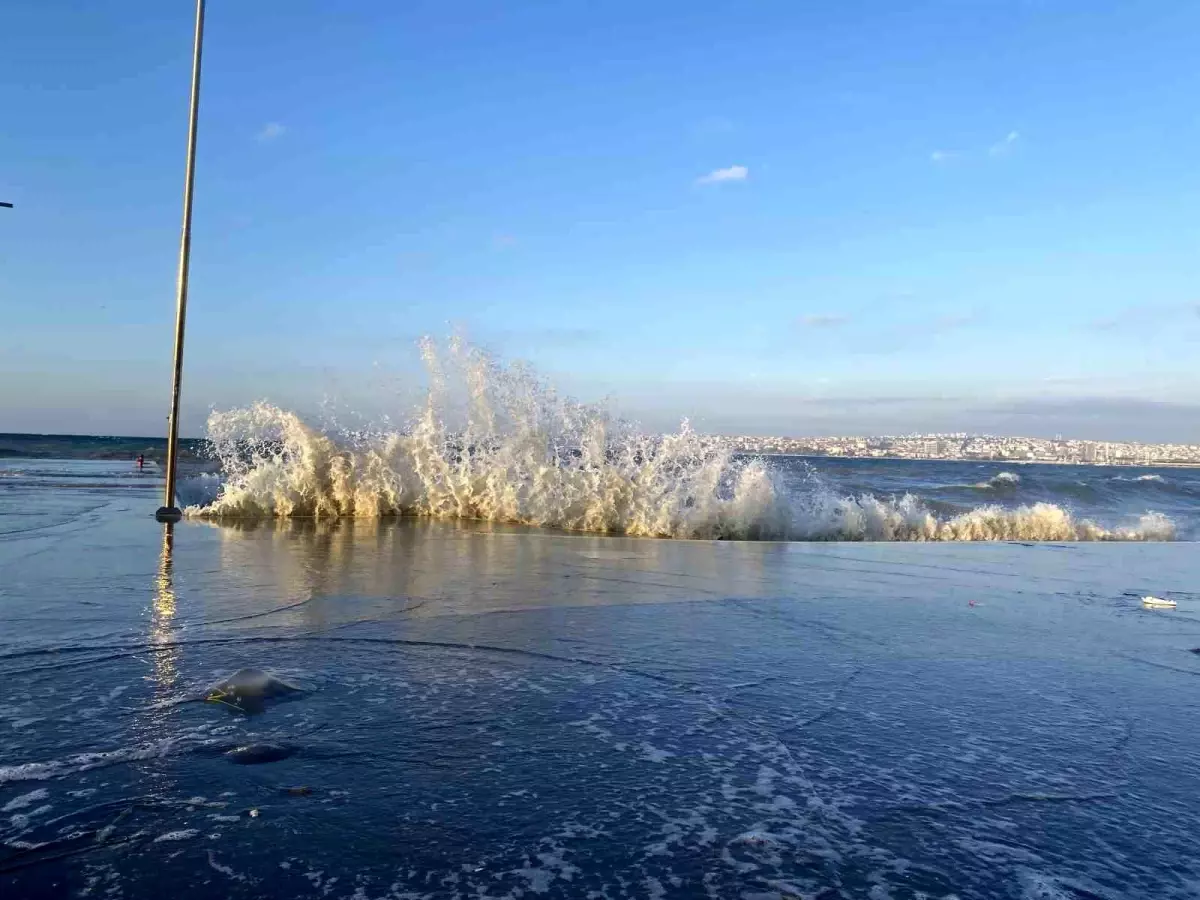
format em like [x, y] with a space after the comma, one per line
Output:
[250, 690]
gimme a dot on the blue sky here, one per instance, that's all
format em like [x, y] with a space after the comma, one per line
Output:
[770, 217]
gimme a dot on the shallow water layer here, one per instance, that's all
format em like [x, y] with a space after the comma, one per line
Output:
[500, 712]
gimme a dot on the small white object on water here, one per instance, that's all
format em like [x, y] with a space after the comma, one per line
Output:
[181, 835]
[1158, 603]
[254, 813]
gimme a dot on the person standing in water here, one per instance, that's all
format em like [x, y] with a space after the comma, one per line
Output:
[141, 462]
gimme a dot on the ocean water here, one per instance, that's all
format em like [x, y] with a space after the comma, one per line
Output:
[520, 654]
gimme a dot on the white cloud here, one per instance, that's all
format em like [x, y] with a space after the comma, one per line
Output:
[940, 156]
[1002, 147]
[733, 173]
[271, 131]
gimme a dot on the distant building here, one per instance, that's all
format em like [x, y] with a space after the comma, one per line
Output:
[977, 447]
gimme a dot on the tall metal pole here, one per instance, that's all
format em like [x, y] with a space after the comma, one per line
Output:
[168, 511]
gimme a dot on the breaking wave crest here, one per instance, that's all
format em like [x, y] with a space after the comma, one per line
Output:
[496, 443]
[868, 518]
[1005, 481]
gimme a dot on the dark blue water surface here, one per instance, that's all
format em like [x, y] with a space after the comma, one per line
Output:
[1113, 496]
[85, 446]
[502, 712]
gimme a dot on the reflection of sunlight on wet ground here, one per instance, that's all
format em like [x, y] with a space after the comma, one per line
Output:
[451, 568]
[162, 621]
[154, 720]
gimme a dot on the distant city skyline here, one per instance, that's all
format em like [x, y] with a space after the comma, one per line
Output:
[977, 448]
[825, 218]
[1087, 449]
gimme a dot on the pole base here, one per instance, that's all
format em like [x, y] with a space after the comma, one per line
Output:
[168, 514]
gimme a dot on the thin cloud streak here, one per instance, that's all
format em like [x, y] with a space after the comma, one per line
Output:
[866, 337]
[1001, 148]
[822, 320]
[1148, 317]
[756, 411]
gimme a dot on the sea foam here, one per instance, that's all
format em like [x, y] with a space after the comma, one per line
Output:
[496, 443]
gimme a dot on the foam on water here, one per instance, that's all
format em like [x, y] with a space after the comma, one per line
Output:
[497, 443]
[85, 762]
[826, 516]
[181, 834]
[25, 800]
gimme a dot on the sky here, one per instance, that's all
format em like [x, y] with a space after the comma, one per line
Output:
[768, 217]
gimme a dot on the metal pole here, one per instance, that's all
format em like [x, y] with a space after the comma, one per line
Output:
[168, 511]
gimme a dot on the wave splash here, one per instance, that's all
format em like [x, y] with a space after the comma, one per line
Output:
[517, 453]
[496, 443]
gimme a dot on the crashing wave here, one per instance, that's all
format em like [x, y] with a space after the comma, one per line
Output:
[868, 518]
[513, 451]
[520, 454]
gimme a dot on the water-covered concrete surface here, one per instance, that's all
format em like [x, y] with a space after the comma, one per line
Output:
[499, 712]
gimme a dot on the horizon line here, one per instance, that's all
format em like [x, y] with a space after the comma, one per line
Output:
[726, 435]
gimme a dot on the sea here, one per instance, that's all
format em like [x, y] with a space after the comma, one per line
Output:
[517, 648]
